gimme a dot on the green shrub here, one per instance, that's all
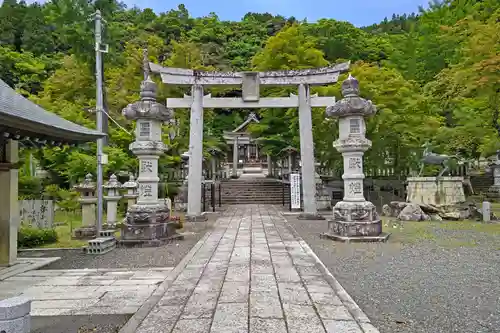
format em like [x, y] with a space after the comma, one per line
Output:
[168, 190]
[29, 187]
[51, 191]
[29, 237]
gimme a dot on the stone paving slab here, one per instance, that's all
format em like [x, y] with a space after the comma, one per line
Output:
[85, 291]
[23, 265]
[252, 274]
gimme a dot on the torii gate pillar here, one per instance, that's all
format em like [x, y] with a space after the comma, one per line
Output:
[307, 155]
[195, 180]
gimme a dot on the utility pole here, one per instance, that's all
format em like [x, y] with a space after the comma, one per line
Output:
[101, 158]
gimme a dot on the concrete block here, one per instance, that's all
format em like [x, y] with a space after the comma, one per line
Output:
[101, 245]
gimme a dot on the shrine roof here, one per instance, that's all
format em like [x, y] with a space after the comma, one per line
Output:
[21, 117]
[251, 118]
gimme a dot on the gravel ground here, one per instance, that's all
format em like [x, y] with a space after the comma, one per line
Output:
[78, 324]
[437, 280]
[165, 256]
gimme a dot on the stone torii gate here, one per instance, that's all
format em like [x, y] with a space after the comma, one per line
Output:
[250, 83]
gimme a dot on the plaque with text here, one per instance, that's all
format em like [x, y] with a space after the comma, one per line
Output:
[295, 190]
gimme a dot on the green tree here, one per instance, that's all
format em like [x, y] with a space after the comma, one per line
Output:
[289, 49]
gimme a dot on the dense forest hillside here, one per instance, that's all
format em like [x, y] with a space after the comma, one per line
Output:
[435, 74]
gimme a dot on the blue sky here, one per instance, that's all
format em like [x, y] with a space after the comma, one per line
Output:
[358, 12]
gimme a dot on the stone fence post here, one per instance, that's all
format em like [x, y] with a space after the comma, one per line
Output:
[486, 210]
[15, 315]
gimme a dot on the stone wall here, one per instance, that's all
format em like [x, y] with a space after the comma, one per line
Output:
[442, 191]
[379, 191]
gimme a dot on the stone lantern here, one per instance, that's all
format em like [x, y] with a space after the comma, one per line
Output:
[88, 200]
[323, 200]
[131, 193]
[354, 218]
[291, 154]
[113, 187]
[148, 221]
[185, 164]
[180, 201]
[494, 190]
[213, 163]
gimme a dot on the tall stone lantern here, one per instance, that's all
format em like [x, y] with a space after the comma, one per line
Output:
[354, 218]
[148, 220]
[88, 200]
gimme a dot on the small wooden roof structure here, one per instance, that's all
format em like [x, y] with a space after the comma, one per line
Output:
[251, 118]
[238, 132]
[21, 119]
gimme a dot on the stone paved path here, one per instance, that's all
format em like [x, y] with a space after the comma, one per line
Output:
[252, 274]
[84, 291]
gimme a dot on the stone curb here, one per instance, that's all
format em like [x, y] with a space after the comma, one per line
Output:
[137, 318]
[14, 308]
[354, 309]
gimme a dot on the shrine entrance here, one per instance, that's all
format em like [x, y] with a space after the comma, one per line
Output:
[250, 83]
[245, 149]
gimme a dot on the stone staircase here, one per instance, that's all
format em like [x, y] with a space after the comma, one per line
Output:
[252, 169]
[254, 191]
[481, 183]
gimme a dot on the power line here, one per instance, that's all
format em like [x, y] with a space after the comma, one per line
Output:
[116, 123]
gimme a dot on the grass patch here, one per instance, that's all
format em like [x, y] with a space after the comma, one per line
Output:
[489, 228]
[444, 234]
[495, 208]
[408, 232]
[70, 221]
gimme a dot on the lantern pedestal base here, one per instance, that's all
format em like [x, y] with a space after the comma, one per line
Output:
[197, 218]
[355, 221]
[323, 203]
[382, 238]
[148, 225]
[308, 216]
[86, 232]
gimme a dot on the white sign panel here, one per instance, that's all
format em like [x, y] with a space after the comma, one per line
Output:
[295, 190]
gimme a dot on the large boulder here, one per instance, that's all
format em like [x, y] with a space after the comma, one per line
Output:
[386, 210]
[406, 211]
[451, 215]
[429, 209]
[412, 212]
[397, 207]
